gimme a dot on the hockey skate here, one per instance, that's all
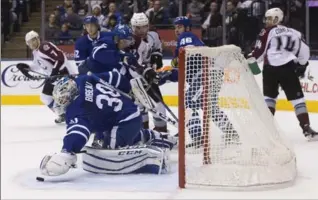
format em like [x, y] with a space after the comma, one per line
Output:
[310, 134]
[60, 119]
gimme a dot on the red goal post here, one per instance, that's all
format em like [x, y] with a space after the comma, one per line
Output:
[227, 136]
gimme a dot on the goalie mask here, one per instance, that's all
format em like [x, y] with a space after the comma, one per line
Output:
[65, 91]
[140, 25]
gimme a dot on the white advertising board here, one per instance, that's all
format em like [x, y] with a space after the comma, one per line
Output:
[14, 83]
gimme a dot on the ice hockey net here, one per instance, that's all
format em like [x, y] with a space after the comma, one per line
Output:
[227, 136]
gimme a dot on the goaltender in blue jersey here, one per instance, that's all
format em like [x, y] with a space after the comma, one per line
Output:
[84, 45]
[193, 95]
[93, 105]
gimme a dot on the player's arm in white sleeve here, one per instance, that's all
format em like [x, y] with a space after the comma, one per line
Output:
[304, 54]
[156, 54]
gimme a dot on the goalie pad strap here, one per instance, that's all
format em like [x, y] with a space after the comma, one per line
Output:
[134, 159]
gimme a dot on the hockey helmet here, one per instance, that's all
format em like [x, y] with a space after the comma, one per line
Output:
[30, 35]
[65, 91]
[90, 20]
[139, 19]
[182, 20]
[123, 32]
[276, 15]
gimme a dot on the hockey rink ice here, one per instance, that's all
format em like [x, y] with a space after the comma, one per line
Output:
[28, 133]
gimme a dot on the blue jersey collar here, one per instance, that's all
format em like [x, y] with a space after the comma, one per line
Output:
[91, 39]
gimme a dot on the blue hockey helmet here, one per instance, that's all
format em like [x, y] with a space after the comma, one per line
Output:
[123, 32]
[183, 20]
[65, 91]
[90, 20]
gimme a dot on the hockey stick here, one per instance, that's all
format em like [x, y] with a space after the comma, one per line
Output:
[51, 78]
[154, 111]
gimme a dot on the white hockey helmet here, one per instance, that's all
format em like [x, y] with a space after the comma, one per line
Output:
[139, 19]
[276, 14]
[30, 35]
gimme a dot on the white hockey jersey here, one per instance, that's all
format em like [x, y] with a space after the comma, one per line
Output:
[47, 57]
[279, 45]
[152, 45]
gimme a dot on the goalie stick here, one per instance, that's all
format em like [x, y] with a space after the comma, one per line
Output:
[154, 111]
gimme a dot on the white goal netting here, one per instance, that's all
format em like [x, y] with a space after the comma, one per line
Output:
[231, 138]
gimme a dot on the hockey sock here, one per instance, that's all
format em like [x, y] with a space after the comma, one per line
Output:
[271, 104]
[301, 112]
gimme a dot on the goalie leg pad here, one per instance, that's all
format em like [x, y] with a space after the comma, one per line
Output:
[130, 160]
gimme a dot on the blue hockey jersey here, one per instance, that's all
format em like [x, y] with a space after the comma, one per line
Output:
[84, 45]
[105, 57]
[187, 39]
[99, 108]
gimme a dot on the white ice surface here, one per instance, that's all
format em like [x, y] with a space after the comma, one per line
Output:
[28, 133]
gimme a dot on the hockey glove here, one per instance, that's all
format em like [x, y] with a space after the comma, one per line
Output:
[156, 60]
[24, 69]
[174, 62]
[301, 69]
[151, 76]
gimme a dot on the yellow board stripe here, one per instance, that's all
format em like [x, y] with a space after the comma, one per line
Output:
[312, 106]
[21, 100]
[282, 104]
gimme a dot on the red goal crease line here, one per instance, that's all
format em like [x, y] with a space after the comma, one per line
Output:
[228, 102]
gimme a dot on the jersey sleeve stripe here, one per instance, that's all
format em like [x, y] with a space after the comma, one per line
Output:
[118, 80]
[79, 133]
[110, 80]
[76, 126]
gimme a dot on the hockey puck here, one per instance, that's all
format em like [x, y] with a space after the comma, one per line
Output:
[39, 179]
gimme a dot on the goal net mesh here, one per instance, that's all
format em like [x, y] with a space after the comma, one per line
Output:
[231, 139]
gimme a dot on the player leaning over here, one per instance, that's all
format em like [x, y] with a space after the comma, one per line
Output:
[85, 44]
[95, 107]
[194, 79]
[285, 59]
[148, 48]
[49, 60]
[106, 54]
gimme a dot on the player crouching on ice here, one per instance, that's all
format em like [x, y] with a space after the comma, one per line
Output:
[285, 58]
[48, 60]
[93, 105]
